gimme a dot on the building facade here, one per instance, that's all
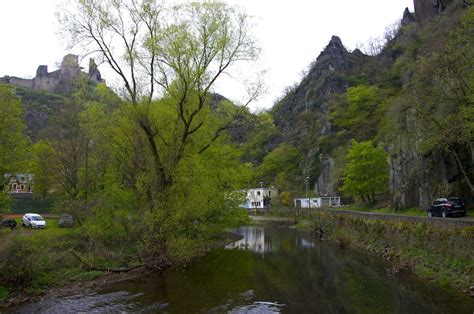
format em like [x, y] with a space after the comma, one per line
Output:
[318, 202]
[259, 198]
[18, 183]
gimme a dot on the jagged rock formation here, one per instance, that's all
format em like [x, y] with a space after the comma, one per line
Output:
[60, 81]
[330, 74]
[327, 76]
[408, 17]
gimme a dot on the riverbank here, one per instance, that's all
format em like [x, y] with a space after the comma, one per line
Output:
[76, 276]
[444, 256]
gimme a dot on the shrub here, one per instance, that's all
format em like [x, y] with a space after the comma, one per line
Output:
[17, 266]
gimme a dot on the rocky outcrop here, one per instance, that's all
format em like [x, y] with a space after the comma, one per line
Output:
[60, 81]
[426, 9]
[328, 75]
[308, 102]
[408, 17]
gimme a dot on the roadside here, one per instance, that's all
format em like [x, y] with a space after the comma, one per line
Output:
[416, 216]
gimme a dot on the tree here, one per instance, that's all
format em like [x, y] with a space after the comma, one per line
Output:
[177, 52]
[366, 172]
[281, 166]
[13, 140]
[357, 113]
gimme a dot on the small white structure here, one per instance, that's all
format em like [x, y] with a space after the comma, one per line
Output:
[318, 202]
[259, 198]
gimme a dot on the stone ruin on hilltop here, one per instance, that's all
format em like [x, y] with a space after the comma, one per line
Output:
[59, 81]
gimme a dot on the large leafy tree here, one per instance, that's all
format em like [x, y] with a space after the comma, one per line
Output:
[174, 51]
[281, 167]
[356, 114]
[366, 172]
[13, 140]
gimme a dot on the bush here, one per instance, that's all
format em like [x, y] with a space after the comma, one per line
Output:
[17, 267]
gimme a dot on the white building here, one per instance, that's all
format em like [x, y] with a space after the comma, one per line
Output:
[259, 198]
[318, 202]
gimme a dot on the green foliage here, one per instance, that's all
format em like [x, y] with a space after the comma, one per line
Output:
[440, 93]
[13, 141]
[256, 147]
[366, 172]
[357, 113]
[17, 262]
[202, 202]
[115, 220]
[5, 203]
[281, 166]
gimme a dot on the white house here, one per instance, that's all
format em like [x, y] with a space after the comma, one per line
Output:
[318, 202]
[259, 198]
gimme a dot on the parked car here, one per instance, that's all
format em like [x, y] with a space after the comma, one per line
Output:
[8, 223]
[33, 221]
[66, 221]
[447, 206]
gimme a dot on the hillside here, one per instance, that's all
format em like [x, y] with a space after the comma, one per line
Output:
[414, 99]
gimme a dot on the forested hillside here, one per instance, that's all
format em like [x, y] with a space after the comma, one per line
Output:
[410, 104]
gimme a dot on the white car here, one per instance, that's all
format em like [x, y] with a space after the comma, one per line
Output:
[33, 221]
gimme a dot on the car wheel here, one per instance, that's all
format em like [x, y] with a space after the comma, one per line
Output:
[444, 214]
[430, 214]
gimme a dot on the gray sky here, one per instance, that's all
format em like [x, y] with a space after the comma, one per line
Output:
[291, 34]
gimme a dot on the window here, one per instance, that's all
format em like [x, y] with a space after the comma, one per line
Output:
[269, 193]
[258, 192]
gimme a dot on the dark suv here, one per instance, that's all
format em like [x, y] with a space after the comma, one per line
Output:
[445, 207]
[8, 223]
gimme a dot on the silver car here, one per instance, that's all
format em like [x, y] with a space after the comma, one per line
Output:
[34, 221]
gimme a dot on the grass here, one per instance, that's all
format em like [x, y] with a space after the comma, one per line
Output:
[386, 210]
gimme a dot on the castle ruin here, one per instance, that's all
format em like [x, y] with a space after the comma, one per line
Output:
[59, 81]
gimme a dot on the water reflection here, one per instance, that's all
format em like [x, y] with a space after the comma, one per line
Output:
[253, 240]
[271, 270]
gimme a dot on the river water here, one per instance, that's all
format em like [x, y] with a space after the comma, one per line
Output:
[271, 270]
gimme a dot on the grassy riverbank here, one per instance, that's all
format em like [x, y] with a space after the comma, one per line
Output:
[61, 261]
[441, 255]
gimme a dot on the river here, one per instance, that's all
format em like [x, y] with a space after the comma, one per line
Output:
[271, 270]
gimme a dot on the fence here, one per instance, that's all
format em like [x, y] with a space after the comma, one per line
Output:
[32, 203]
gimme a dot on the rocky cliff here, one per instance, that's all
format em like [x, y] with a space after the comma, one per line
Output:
[330, 74]
[302, 115]
[417, 175]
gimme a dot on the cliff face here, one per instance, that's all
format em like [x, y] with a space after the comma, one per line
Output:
[329, 75]
[417, 176]
[302, 115]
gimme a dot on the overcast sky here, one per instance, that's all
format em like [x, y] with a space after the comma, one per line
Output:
[291, 33]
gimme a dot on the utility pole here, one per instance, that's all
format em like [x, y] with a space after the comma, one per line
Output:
[307, 198]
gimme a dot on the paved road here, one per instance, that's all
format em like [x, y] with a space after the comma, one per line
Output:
[442, 222]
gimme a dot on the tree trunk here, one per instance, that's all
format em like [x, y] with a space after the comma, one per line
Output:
[461, 169]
